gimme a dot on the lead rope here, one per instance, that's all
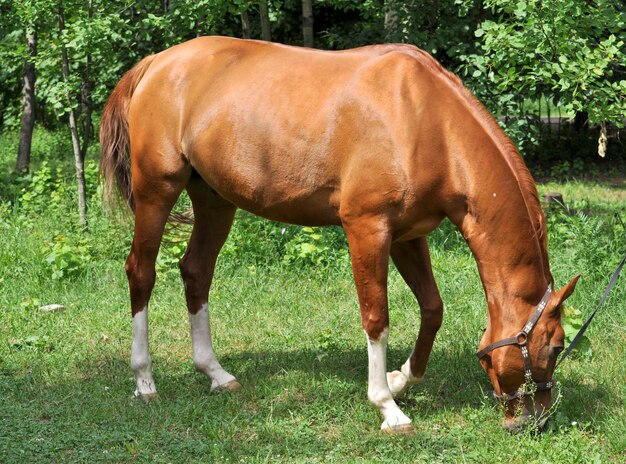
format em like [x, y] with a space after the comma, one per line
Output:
[582, 330]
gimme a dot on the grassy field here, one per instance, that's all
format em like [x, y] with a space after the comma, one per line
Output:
[286, 323]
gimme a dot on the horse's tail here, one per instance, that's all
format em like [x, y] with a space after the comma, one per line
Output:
[115, 141]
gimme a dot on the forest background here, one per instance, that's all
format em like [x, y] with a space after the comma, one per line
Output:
[554, 74]
[534, 63]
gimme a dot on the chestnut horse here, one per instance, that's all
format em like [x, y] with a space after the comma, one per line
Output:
[380, 140]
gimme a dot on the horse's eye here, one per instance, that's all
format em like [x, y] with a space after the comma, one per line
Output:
[556, 350]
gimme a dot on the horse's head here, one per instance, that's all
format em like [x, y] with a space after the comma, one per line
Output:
[520, 360]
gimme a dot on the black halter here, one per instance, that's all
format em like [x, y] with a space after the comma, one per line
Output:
[521, 340]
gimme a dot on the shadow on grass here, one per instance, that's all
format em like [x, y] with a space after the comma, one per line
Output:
[295, 404]
[454, 380]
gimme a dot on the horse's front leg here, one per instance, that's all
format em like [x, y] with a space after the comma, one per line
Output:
[412, 260]
[369, 240]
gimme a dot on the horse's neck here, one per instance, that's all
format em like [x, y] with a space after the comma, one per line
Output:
[497, 222]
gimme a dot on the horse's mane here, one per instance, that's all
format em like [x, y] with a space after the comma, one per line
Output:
[508, 151]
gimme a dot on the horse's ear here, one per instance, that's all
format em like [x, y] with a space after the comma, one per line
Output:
[566, 291]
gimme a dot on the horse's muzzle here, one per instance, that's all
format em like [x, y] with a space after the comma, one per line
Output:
[523, 422]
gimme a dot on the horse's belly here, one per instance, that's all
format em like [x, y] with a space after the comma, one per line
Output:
[277, 198]
[420, 227]
[315, 210]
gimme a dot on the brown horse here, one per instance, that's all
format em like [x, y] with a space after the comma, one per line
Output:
[380, 140]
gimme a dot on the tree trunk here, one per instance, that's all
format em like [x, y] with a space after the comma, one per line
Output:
[549, 113]
[391, 24]
[396, 22]
[307, 22]
[78, 159]
[28, 105]
[200, 23]
[87, 109]
[86, 100]
[245, 25]
[266, 32]
[581, 121]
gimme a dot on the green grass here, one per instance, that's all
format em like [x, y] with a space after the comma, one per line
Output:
[289, 329]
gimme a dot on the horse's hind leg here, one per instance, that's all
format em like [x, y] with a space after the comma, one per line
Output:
[213, 217]
[412, 260]
[151, 213]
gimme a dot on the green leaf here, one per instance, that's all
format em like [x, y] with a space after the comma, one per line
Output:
[584, 347]
[570, 332]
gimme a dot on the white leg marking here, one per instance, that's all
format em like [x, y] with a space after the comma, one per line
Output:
[377, 390]
[140, 360]
[203, 355]
[400, 381]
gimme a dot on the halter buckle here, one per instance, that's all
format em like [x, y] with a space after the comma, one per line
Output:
[521, 338]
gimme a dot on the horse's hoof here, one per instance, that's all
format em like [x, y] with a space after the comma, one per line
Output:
[146, 397]
[398, 383]
[402, 429]
[227, 387]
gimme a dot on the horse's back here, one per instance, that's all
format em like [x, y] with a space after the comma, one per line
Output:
[289, 133]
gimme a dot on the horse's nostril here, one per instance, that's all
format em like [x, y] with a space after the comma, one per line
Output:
[526, 421]
[516, 424]
[556, 350]
[542, 425]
